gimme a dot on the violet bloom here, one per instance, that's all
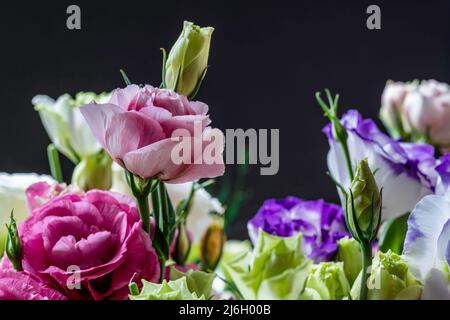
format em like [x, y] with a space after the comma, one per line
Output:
[405, 171]
[321, 224]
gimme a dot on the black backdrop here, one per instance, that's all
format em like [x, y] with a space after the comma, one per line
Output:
[267, 60]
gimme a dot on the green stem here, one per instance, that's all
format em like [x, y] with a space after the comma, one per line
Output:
[366, 252]
[144, 211]
[162, 265]
[347, 159]
[55, 165]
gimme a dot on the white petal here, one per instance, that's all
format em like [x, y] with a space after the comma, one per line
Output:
[437, 286]
[424, 227]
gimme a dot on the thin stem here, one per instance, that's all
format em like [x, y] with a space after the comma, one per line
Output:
[144, 210]
[366, 252]
[162, 265]
[347, 159]
[55, 165]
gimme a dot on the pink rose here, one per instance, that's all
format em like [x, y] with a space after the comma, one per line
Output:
[136, 127]
[88, 246]
[23, 286]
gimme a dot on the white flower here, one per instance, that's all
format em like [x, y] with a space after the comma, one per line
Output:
[65, 125]
[427, 245]
[203, 204]
[12, 197]
[405, 171]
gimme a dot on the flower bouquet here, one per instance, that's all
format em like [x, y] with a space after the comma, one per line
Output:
[136, 220]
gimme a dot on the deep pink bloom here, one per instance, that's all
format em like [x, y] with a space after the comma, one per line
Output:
[40, 193]
[136, 129]
[92, 240]
[24, 286]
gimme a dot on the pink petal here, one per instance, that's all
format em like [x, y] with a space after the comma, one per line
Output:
[130, 131]
[153, 160]
[99, 117]
[124, 97]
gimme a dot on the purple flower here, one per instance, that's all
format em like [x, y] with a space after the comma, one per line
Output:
[405, 171]
[320, 223]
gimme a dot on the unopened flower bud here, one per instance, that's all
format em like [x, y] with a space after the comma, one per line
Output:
[13, 246]
[182, 245]
[363, 203]
[93, 172]
[211, 246]
[188, 59]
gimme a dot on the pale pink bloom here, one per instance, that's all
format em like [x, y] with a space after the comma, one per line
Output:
[136, 128]
[427, 110]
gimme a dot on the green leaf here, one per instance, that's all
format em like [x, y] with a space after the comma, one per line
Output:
[393, 234]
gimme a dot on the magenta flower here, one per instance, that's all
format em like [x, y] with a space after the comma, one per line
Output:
[322, 224]
[136, 129]
[23, 286]
[88, 246]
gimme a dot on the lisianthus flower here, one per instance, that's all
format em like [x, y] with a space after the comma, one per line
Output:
[427, 110]
[322, 224]
[275, 270]
[389, 278]
[88, 246]
[427, 243]
[65, 125]
[13, 197]
[405, 171]
[138, 128]
[203, 203]
[24, 286]
[41, 192]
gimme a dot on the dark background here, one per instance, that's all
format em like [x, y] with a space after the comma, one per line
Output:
[267, 61]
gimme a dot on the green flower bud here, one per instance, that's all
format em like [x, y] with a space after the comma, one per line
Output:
[211, 246]
[188, 59]
[93, 172]
[327, 281]
[363, 203]
[182, 245]
[349, 252]
[13, 246]
[389, 279]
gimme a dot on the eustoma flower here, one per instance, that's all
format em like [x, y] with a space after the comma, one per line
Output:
[13, 198]
[427, 110]
[321, 224]
[88, 246]
[70, 134]
[135, 127]
[427, 244]
[65, 125]
[405, 171]
[24, 286]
